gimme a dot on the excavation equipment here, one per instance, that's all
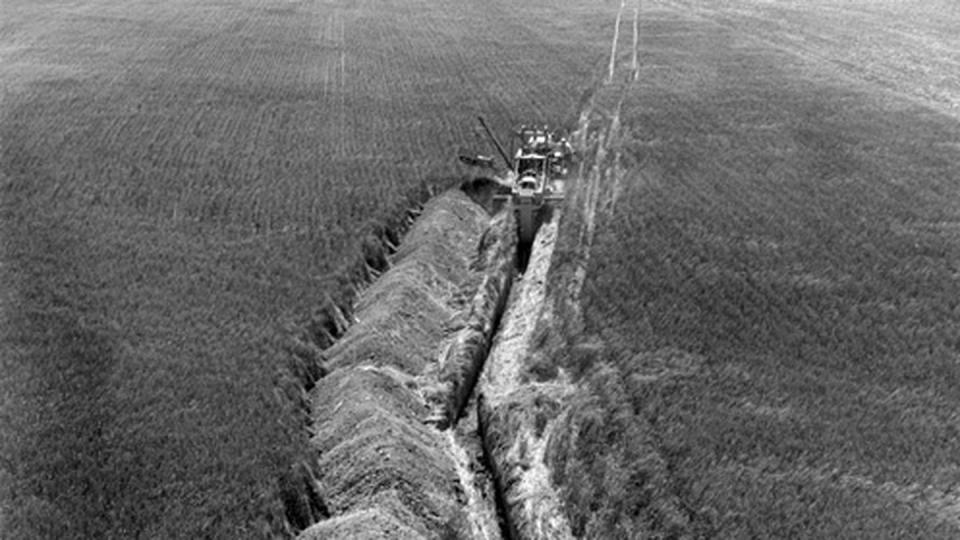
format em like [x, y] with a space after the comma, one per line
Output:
[533, 179]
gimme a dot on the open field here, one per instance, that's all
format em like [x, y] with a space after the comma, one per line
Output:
[771, 308]
[908, 48]
[747, 326]
[179, 180]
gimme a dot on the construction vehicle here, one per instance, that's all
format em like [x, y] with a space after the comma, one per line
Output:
[533, 178]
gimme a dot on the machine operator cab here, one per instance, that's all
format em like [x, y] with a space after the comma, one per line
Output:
[541, 140]
[534, 139]
[531, 171]
[535, 175]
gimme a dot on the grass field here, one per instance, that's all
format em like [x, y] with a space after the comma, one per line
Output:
[181, 179]
[770, 307]
[775, 276]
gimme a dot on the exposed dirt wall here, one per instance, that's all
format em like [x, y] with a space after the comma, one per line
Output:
[462, 358]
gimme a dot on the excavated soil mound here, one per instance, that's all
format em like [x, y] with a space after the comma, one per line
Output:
[383, 471]
[402, 316]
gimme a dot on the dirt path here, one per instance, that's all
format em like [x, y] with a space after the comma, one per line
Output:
[505, 362]
[515, 434]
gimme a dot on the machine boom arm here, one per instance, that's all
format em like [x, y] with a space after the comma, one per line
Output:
[506, 157]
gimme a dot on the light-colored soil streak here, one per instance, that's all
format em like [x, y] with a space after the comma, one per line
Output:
[520, 416]
[517, 415]
[479, 509]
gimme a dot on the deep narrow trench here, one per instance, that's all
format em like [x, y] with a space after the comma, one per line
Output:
[522, 408]
[415, 390]
[517, 413]
[502, 258]
[391, 426]
[420, 413]
[523, 256]
[507, 529]
[509, 431]
[479, 435]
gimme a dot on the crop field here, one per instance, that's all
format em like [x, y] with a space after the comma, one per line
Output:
[762, 255]
[775, 275]
[180, 180]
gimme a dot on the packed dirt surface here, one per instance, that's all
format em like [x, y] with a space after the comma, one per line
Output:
[517, 414]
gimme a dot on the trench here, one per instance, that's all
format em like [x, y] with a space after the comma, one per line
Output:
[500, 411]
[518, 411]
[507, 496]
[422, 422]
[523, 398]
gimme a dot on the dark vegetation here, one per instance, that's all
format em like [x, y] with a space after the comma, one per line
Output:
[771, 309]
[773, 294]
[179, 182]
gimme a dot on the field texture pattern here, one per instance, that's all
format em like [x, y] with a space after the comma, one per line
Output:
[771, 298]
[180, 180]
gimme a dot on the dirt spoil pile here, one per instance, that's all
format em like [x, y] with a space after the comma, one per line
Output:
[384, 471]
